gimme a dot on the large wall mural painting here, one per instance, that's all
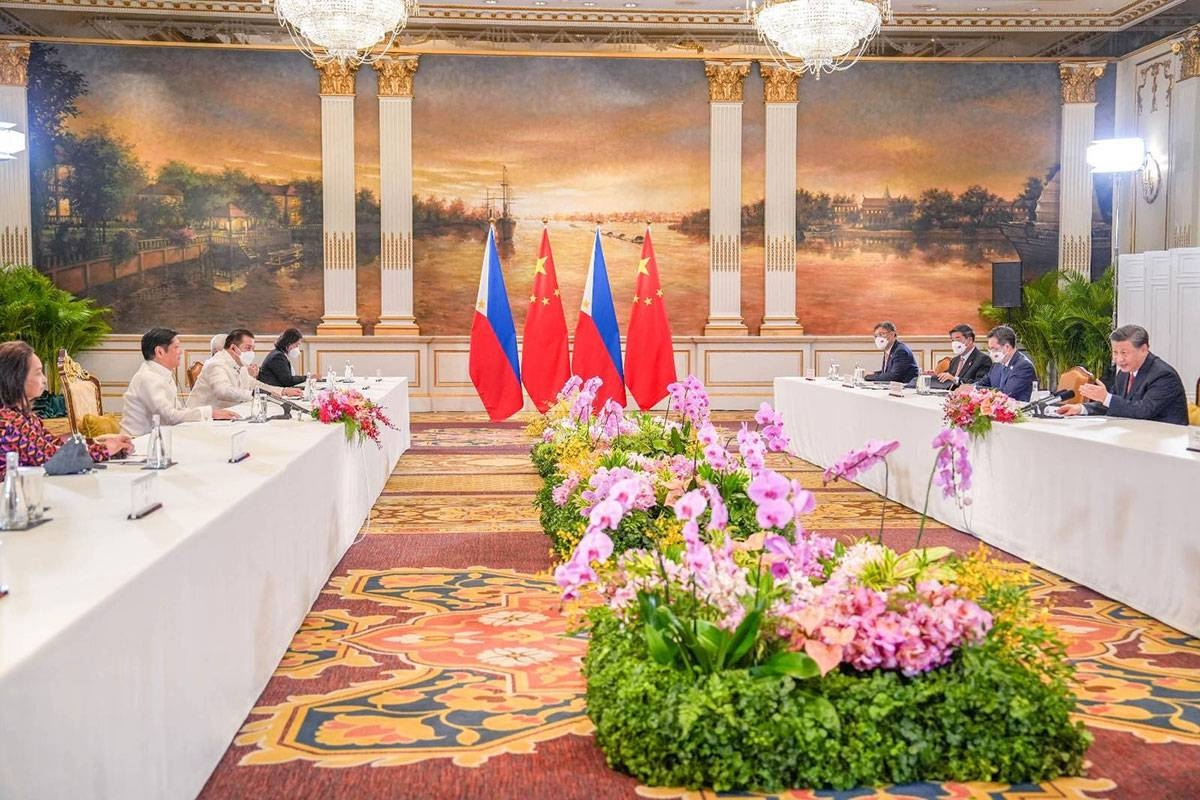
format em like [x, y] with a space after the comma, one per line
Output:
[182, 186]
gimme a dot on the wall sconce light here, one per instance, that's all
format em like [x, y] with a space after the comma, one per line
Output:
[12, 141]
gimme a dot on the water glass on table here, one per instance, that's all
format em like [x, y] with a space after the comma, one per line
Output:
[33, 483]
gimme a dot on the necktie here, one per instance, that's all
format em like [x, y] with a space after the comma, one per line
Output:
[962, 360]
[1129, 387]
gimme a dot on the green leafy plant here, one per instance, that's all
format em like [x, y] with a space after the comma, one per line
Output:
[1064, 321]
[985, 716]
[48, 318]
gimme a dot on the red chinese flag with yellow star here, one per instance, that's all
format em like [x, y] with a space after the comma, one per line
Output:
[649, 357]
[545, 362]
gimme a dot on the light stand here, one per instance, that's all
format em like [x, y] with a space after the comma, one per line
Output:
[1117, 157]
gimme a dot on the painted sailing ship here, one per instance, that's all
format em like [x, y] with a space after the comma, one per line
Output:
[1036, 242]
[499, 208]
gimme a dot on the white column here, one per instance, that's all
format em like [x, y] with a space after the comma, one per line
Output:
[337, 176]
[15, 242]
[395, 201]
[1076, 195]
[780, 92]
[725, 82]
[1184, 183]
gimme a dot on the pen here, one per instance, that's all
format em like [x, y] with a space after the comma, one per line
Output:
[239, 459]
[146, 511]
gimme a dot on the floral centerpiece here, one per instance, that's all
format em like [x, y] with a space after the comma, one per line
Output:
[974, 409]
[361, 418]
[732, 648]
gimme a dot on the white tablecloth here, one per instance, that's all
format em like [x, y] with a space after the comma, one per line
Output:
[1107, 503]
[131, 651]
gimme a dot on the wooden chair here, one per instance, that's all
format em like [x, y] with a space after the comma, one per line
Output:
[1072, 379]
[80, 388]
[193, 373]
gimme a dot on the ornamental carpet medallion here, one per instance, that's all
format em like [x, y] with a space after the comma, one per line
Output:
[439, 666]
[490, 668]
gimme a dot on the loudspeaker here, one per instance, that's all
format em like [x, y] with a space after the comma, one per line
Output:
[1006, 284]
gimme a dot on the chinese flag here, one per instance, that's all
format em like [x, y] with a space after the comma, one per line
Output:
[649, 357]
[545, 363]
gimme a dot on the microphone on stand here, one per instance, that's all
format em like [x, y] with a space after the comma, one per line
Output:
[1039, 406]
[287, 405]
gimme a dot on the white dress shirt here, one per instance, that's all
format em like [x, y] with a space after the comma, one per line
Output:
[153, 391]
[223, 382]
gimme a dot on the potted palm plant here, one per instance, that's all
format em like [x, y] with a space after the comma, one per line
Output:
[48, 318]
[1064, 321]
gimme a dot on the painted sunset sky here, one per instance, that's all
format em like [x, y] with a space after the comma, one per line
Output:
[580, 136]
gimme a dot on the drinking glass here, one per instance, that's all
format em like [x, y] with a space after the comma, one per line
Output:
[33, 481]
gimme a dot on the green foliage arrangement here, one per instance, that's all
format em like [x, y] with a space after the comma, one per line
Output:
[986, 716]
[1064, 321]
[36, 311]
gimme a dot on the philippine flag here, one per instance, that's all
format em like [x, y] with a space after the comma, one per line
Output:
[493, 363]
[597, 337]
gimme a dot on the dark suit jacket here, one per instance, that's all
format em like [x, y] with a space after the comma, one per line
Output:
[898, 365]
[1157, 394]
[276, 370]
[1015, 378]
[978, 364]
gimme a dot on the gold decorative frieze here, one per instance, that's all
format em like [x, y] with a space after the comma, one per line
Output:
[14, 246]
[339, 250]
[337, 78]
[396, 251]
[1188, 49]
[396, 76]
[726, 80]
[14, 63]
[725, 253]
[1076, 254]
[1079, 81]
[781, 254]
[780, 84]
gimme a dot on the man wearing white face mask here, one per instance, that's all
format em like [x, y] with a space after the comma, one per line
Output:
[226, 379]
[1012, 372]
[899, 364]
[969, 364]
[276, 367]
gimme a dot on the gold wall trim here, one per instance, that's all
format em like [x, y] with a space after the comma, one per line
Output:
[1188, 49]
[339, 250]
[14, 246]
[726, 80]
[396, 251]
[780, 84]
[725, 254]
[337, 78]
[14, 63]
[396, 75]
[431, 14]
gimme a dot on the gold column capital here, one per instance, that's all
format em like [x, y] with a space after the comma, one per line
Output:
[780, 84]
[14, 63]
[1079, 81]
[726, 80]
[337, 78]
[396, 75]
[1188, 49]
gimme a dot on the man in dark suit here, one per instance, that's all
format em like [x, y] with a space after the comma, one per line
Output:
[969, 364]
[1011, 371]
[1145, 386]
[899, 364]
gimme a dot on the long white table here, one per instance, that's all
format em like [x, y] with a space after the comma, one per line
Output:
[1108, 503]
[131, 651]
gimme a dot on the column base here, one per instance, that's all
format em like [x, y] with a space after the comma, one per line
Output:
[339, 326]
[726, 327]
[781, 327]
[397, 326]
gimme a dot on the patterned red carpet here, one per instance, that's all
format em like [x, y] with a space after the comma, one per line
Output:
[436, 663]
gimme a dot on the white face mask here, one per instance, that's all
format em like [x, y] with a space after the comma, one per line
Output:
[247, 357]
[294, 353]
[958, 347]
[996, 355]
[880, 342]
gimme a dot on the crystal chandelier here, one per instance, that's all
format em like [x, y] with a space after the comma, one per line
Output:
[349, 31]
[819, 36]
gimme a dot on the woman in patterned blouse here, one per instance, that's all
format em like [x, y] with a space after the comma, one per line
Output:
[21, 380]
